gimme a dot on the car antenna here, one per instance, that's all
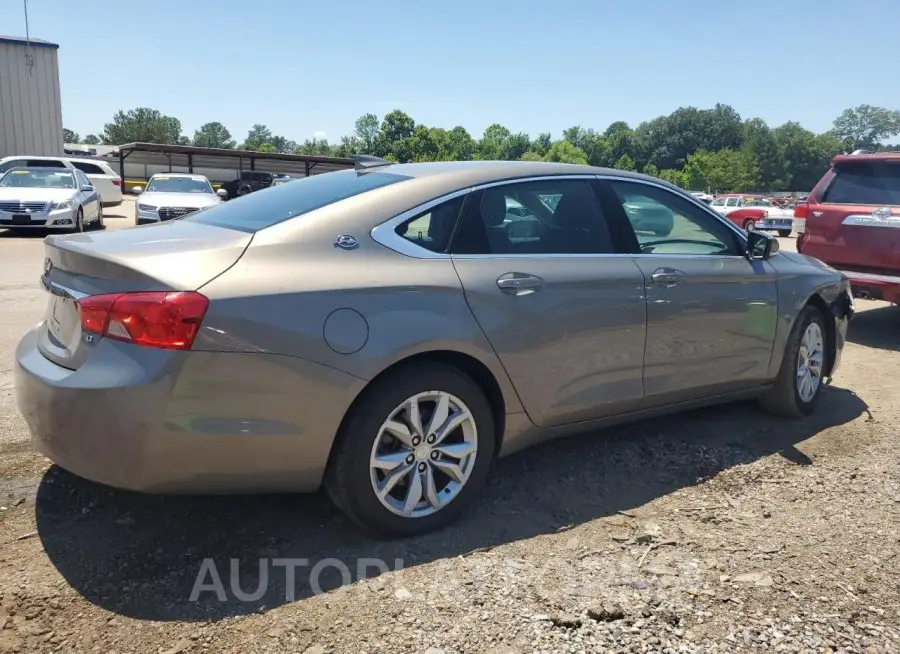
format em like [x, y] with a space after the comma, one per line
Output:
[362, 162]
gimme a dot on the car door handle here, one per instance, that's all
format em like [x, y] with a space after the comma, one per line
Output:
[519, 283]
[667, 277]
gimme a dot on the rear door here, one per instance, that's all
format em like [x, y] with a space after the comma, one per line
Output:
[853, 217]
[90, 200]
[711, 313]
[563, 312]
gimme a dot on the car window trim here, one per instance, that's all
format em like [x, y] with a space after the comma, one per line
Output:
[385, 233]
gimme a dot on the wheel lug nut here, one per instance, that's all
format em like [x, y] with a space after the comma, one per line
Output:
[410, 458]
[435, 455]
[421, 467]
[431, 438]
[416, 440]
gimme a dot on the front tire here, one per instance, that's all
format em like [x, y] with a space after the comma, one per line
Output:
[749, 225]
[414, 452]
[784, 233]
[799, 383]
[99, 222]
[79, 221]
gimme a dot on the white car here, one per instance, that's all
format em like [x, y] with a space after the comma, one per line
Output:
[776, 218]
[172, 195]
[102, 176]
[48, 198]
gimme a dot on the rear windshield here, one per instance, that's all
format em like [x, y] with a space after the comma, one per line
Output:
[271, 206]
[865, 184]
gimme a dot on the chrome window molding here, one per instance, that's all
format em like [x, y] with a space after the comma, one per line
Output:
[385, 234]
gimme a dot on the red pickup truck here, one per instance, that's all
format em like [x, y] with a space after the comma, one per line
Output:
[851, 221]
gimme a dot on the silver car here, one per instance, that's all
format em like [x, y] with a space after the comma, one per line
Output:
[172, 195]
[388, 332]
[49, 198]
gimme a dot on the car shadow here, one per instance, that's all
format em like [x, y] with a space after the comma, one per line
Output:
[24, 233]
[878, 328]
[141, 556]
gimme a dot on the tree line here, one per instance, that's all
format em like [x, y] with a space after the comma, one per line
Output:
[698, 149]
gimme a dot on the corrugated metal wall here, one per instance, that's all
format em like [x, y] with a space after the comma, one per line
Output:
[30, 106]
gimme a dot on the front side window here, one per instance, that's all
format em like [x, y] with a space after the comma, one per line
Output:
[256, 211]
[665, 223]
[15, 163]
[731, 202]
[164, 184]
[433, 228]
[554, 216]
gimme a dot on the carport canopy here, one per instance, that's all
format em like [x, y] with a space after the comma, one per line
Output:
[190, 157]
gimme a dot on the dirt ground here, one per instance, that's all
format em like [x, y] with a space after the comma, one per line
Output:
[721, 530]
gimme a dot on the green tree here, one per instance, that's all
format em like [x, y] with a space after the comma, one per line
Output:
[651, 170]
[493, 143]
[92, 139]
[461, 144]
[541, 145]
[366, 131]
[673, 176]
[141, 125]
[532, 156]
[565, 152]
[805, 155]
[865, 126]
[625, 163]
[394, 134]
[258, 136]
[213, 135]
[760, 142]
[722, 171]
[70, 137]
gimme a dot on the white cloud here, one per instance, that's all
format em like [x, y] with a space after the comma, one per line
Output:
[320, 134]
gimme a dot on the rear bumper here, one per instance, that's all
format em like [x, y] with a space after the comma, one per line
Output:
[874, 287]
[184, 422]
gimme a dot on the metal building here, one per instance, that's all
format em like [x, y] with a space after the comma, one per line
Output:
[30, 106]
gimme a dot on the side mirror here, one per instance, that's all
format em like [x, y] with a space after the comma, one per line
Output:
[137, 190]
[87, 189]
[760, 246]
[222, 193]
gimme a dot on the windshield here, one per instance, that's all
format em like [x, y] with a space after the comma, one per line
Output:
[37, 179]
[276, 204]
[178, 185]
[865, 184]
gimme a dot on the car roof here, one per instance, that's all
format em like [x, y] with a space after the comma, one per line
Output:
[185, 175]
[49, 169]
[871, 156]
[464, 173]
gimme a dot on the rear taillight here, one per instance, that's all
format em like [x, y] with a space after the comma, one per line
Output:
[167, 320]
[801, 210]
[117, 182]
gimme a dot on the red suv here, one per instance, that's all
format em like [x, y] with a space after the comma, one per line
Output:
[851, 221]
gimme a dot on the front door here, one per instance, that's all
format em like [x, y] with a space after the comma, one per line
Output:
[711, 313]
[565, 315]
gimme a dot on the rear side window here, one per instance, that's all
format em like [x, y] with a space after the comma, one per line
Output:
[257, 211]
[870, 183]
[88, 169]
[432, 229]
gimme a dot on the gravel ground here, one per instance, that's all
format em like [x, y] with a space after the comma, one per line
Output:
[721, 530]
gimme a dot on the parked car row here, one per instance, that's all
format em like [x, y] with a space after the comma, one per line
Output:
[388, 332]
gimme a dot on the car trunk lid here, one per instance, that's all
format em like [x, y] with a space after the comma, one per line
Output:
[176, 256]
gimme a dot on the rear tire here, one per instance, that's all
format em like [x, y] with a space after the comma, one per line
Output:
[784, 233]
[785, 397]
[749, 225]
[366, 453]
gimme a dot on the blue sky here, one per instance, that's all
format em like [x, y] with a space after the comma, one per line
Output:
[306, 67]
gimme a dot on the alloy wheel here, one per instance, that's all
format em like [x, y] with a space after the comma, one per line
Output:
[809, 362]
[423, 454]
